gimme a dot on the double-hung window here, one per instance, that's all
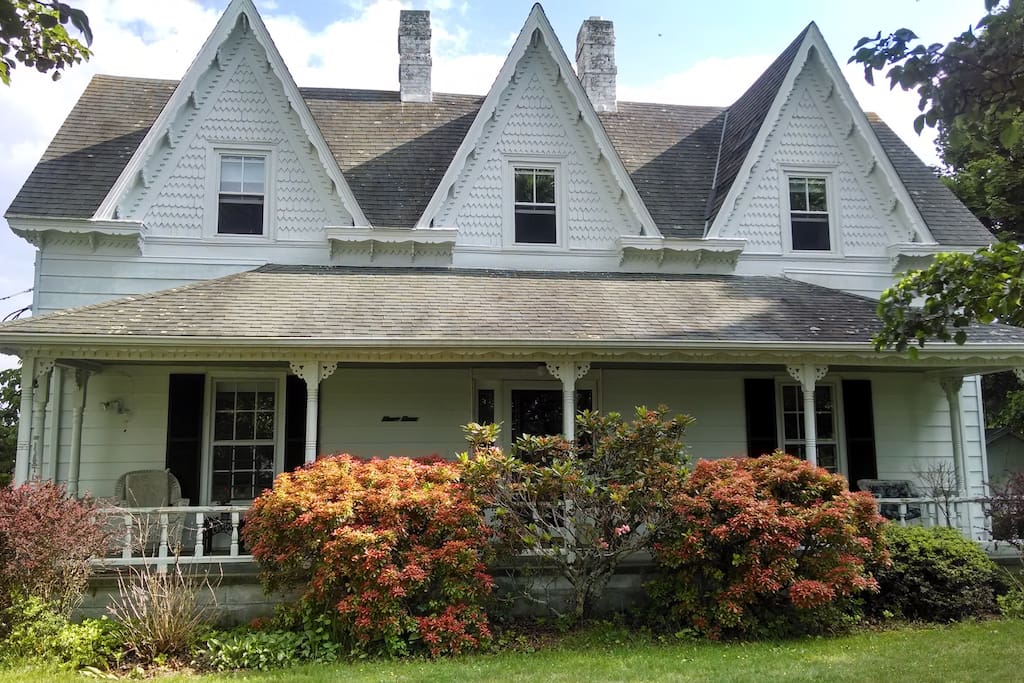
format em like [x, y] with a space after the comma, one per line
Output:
[244, 431]
[241, 194]
[808, 213]
[536, 220]
[793, 435]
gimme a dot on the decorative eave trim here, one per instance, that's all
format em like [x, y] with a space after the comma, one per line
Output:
[723, 249]
[537, 22]
[392, 235]
[183, 94]
[36, 229]
[962, 359]
[859, 120]
[902, 252]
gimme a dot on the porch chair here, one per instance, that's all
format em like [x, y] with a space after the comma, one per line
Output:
[892, 488]
[150, 489]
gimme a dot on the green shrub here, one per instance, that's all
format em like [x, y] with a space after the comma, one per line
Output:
[765, 547]
[40, 634]
[1011, 605]
[393, 549]
[936, 575]
[270, 649]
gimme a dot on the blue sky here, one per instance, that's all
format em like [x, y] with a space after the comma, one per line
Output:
[678, 51]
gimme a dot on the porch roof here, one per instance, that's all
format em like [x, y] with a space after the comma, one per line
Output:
[287, 305]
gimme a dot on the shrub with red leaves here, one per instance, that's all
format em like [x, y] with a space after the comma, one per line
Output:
[46, 541]
[395, 548]
[766, 546]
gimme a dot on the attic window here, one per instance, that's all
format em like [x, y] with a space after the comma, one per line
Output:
[808, 213]
[241, 197]
[535, 207]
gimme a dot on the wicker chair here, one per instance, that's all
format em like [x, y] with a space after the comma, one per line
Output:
[150, 489]
[892, 488]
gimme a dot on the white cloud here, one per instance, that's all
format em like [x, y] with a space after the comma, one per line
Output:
[716, 81]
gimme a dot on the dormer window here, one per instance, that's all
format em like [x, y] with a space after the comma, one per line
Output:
[808, 213]
[536, 220]
[241, 197]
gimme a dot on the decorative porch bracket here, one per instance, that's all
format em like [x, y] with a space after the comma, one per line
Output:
[312, 373]
[568, 372]
[951, 386]
[75, 463]
[808, 375]
[40, 397]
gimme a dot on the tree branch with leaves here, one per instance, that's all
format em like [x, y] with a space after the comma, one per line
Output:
[36, 34]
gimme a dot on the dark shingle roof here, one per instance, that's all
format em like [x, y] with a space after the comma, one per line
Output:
[348, 303]
[744, 121]
[393, 155]
[948, 219]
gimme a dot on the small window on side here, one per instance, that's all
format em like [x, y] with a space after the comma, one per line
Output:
[808, 214]
[535, 206]
[241, 195]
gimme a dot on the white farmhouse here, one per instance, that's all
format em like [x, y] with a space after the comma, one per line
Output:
[236, 274]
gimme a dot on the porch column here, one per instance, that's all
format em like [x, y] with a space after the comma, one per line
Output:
[40, 397]
[312, 373]
[53, 448]
[23, 452]
[75, 466]
[568, 372]
[951, 387]
[808, 375]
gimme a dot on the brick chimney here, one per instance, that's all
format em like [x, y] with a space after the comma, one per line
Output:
[595, 62]
[414, 55]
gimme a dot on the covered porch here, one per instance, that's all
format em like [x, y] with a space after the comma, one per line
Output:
[229, 382]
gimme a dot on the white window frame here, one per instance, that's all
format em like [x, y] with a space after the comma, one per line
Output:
[509, 202]
[839, 440]
[215, 153]
[831, 200]
[206, 471]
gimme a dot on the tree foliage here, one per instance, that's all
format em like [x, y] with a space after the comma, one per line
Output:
[36, 35]
[10, 402]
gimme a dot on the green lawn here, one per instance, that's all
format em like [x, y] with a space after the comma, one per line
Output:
[986, 651]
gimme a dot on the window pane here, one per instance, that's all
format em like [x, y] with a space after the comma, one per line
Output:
[221, 487]
[827, 457]
[797, 194]
[810, 232]
[793, 426]
[265, 399]
[246, 400]
[536, 411]
[264, 458]
[223, 426]
[545, 187]
[253, 174]
[264, 425]
[824, 426]
[485, 406]
[225, 397]
[221, 457]
[535, 226]
[245, 426]
[231, 174]
[524, 186]
[240, 215]
[816, 194]
[241, 488]
[790, 398]
[264, 481]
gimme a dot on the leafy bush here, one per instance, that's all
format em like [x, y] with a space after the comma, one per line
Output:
[936, 575]
[162, 614]
[248, 649]
[1011, 605]
[581, 506]
[395, 548]
[46, 540]
[766, 546]
[39, 634]
[1005, 508]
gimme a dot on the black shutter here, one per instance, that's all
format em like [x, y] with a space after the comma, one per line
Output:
[294, 423]
[762, 429]
[185, 431]
[859, 418]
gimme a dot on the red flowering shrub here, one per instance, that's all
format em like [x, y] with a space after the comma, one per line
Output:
[394, 548]
[766, 546]
[46, 541]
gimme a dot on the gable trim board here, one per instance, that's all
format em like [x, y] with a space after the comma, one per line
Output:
[813, 40]
[537, 29]
[238, 12]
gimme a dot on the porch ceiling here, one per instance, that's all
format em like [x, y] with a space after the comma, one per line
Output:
[288, 307]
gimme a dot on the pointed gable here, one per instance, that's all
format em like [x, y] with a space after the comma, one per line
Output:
[813, 125]
[237, 97]
[538, 113]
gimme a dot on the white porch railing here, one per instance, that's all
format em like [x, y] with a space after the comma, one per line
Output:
[162, 536]
[964, 514]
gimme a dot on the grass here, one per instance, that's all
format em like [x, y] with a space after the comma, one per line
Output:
[983, 651]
